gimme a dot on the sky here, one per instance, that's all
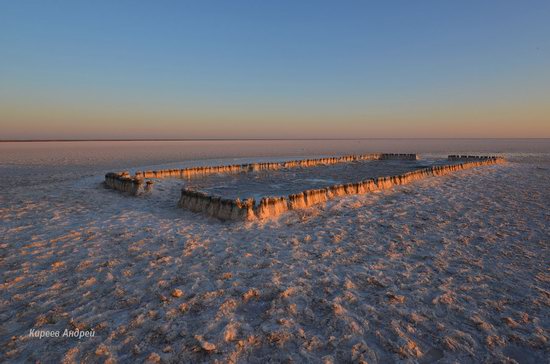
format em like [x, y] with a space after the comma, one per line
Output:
[274, 69]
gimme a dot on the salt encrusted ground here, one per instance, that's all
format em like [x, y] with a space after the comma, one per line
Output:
[454, 268]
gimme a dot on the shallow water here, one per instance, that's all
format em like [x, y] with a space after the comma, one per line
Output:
[451, 269]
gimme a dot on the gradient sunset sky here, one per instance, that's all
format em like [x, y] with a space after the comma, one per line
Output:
[274, 69]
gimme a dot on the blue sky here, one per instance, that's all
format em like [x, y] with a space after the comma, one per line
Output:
[94, 69]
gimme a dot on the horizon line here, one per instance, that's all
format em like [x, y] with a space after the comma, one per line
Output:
[256, 139]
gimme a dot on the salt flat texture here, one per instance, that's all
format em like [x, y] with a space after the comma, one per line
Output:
[448, 269]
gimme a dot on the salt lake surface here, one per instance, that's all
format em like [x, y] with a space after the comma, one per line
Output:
[446, 269]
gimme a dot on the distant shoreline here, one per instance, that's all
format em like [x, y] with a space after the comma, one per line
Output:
[241, 139]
